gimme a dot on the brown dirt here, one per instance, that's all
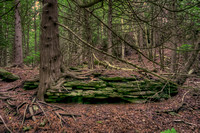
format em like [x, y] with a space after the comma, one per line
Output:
[116, 118]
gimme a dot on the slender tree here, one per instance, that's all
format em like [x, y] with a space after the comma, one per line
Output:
[110, 25]
[18, 54]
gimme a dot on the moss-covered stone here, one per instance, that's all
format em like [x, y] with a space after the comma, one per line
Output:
[84, 85]
[30, 85]
[7, 76]
[117, 79]
[109, 91]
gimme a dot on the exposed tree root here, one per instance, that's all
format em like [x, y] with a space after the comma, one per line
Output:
[29, 110]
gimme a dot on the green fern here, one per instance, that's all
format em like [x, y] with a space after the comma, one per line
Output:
[169, 131]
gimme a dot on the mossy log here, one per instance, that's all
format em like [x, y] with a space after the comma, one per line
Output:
[7, 76]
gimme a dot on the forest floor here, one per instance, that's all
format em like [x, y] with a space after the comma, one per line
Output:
[181, 112]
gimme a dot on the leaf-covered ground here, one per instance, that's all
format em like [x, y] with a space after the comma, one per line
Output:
[181, 112]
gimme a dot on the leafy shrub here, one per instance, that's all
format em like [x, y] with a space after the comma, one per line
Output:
[32, 58]
[184, 48]
[169, 131]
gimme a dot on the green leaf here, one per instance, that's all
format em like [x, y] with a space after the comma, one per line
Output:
[99, 122]
[169, 131]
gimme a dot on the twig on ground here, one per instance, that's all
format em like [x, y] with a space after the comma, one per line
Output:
[71, 115]
[44, 112]
[32, 113]
[55, 106]
[185, 122]
[24, 114]
[61, 118]
[5, 124]
[18, 107]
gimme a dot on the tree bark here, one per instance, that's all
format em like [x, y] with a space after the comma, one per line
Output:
[18, 54]
[110, 25]
[50, 54]
[88, 38]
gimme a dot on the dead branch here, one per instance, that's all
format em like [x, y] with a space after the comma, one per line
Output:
[21, 105]
[24, 115]
[116, 58]
[32, 113]
[192, 124]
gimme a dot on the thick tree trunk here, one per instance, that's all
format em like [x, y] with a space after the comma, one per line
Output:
[50, 54]
[18, 55]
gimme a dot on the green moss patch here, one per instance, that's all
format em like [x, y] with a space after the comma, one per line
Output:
[111, 90]
[7, 76]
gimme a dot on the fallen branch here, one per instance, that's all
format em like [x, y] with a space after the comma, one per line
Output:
[116, 58]
[107, 64]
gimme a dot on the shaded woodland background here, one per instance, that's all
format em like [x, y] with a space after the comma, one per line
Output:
[154, 39]
[117, 27]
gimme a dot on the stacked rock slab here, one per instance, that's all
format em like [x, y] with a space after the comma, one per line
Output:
[108, 90]
[111, 90]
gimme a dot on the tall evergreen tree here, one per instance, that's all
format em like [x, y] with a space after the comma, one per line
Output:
[18, 53]
[50, 57]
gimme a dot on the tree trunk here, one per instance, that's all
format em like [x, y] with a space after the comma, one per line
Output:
[50, 54]
[123, 45]
[88, 37]
[36, 45]
[110, 25]
[18, 55]
[174, 41]
[180, 79]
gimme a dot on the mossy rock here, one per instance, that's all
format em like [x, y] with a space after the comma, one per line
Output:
[30, 85]
[143, 93]
[73, 68]
[97, 74]
[111, 91]
[117, 79]
[121, 85]
[82, 85]
[7, 76]
[127, 90]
